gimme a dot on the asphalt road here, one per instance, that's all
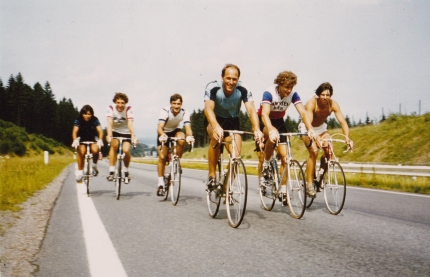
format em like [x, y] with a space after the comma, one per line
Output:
[377, 234]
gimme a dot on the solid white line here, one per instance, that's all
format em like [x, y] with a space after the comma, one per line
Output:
[102, 257]
[388, 191]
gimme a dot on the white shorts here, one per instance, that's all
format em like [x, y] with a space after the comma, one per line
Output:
[319, 130]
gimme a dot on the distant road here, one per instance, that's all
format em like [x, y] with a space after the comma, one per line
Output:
[378, 233]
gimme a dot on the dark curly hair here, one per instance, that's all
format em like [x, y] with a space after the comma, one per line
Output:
[120, 95]
[323, 87]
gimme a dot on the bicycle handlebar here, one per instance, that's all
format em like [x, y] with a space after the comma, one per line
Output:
[231, 133]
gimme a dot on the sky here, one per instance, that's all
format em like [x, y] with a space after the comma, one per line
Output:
[375, 53]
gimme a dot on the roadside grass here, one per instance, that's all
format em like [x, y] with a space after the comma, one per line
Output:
[21, 177]
[389, 182]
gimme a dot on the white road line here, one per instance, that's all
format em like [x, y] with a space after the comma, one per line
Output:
[102, 257]
[389, 191]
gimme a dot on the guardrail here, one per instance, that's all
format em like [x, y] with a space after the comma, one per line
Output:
[405, 170]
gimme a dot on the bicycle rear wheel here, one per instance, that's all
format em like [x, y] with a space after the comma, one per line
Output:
[296, 189]
[268, 192]
[175, 182]
[334, 188]
[309, 200]
[237, 193]
[213, 197]
[118, 180]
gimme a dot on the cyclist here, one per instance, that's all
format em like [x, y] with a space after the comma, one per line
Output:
[222, 106]
[276, 100]
[169, 123]
[319, 108]
[120, 124]
[87, 128]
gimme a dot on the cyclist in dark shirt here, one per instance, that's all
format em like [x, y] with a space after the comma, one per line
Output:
[87, 128]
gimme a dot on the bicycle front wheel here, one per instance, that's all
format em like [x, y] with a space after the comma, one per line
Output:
[296, 189]
[237, 193]
[167, 178]
[118, 181]
[87, 177]
[334, 188]
[175, 182]
[213, 197]
[309, 200]
[267, 191]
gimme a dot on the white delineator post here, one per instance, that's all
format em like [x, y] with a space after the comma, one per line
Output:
[46, 156]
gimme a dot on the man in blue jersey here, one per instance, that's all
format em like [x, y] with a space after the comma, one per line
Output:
[170, 121]
[276, 100]
[223, 100]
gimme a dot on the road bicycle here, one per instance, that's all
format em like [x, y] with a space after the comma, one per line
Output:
[294, 178]
[231, 183]
[172, 180]
[119, 176]
[88, 172]
[332, 181]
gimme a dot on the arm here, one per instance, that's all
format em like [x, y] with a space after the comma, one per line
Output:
[308, 123]
[109, 128]
[345, 129]
[188, 130]
[100, 132]
[75, 132]
[250, 108]
[131, 129]
[218, 132]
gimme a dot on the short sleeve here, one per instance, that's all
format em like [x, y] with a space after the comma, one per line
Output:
[296, 99]
[211, 90]
[130, 113]
[163, 115]
[109, 112]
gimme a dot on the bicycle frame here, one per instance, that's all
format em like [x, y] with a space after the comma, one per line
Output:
[119, 178]
[232, 183]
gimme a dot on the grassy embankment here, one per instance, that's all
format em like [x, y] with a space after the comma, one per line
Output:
[22, 170]
[398, 140]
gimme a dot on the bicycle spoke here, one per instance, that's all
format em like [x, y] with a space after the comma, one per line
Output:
[237, 193]
[335, 188]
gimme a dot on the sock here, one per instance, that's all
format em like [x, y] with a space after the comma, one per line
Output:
[79, 172]
[284, 189]
[125, 169]
[161, 181]
[111, 168]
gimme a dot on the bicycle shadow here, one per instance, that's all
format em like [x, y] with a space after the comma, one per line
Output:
[183, 200]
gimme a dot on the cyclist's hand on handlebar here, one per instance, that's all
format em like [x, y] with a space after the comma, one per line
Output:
[100, 143]
[189, 139]
[75, 143]
[274, 135]
[134, 140]
[350, 144]
[218, 133]
[163, 138]
[313, 136]
[108, 139]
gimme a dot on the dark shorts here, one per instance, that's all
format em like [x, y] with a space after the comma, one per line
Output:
[226, 123]
[169, 134]
[279, 124]
[128, 136]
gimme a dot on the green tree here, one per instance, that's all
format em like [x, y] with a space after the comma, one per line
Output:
[291, 124]
[332, 123]
[67, 114]
[348, 121]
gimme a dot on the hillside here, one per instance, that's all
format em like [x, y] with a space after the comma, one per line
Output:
[397, 140]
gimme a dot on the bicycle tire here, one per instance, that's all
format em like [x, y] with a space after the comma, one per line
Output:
[310, 200]
[296, 189]
[118, 180]
[213, 197]
[237, 193]
[166, 186]
[87, 178]
[268, 193]
[175, 183]
[334, 188]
